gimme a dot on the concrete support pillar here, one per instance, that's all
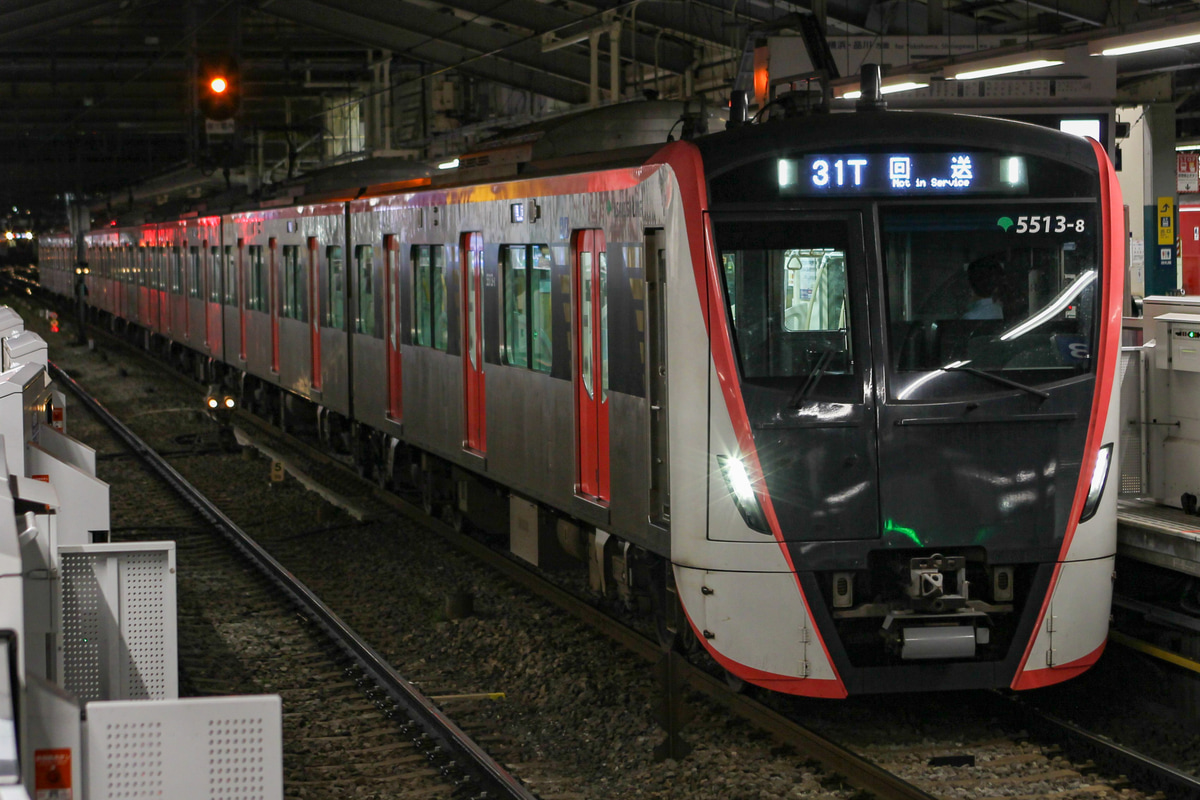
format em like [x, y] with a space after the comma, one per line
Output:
[1161, 202]
[614, 64]
[594, 83]
[936, 9]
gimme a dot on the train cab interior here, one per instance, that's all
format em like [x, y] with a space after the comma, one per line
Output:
[966, 288]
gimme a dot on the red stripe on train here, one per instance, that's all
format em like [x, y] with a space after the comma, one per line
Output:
[1109, 346]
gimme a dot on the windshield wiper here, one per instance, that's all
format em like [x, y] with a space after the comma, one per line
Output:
[998, 379]
[801, 394]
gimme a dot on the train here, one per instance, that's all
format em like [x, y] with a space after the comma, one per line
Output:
[832, 394]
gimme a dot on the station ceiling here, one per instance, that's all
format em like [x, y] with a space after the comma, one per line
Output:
[98, 94]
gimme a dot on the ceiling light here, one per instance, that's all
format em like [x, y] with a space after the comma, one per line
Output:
[1182, 147]
[451, 164]
[898, 83]
[1003, 65]
[1156, 39]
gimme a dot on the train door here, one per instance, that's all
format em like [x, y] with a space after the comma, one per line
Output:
[314, 308]
[391, 294]
[591, 363]
[273, 301]
[473, 384]
[795, 289]
[656, 379]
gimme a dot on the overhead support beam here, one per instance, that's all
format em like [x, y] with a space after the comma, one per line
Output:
[406, 42]
[37, 28]
[1074, 10]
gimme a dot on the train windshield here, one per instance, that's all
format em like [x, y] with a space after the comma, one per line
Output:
[786, 287]
[1007, 288]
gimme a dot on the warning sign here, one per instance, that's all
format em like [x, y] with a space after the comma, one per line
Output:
[52, 774]
[1188, 172]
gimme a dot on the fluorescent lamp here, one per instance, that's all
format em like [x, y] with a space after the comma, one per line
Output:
[900, 83]
[1156, 39]
[1003, 65]
[451, 164]
[1081, 127]
[1181, 147]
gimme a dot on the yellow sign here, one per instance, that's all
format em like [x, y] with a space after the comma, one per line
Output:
[276, 471]
[1166, 220]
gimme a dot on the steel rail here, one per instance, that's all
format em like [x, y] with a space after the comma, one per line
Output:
[858, 771]
[493, 779]
[1169, 780]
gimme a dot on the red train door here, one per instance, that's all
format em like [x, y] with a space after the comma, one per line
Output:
[314, 308]
[591, 364]
[391, 280]
[473, 386]
[241, 297]
[273, 301]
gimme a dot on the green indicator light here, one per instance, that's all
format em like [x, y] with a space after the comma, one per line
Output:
[891, 527]
[1005, 223]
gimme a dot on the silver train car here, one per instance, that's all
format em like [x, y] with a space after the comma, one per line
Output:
[835, 392]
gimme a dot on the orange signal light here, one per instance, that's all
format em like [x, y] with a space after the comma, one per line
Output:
[218, 85]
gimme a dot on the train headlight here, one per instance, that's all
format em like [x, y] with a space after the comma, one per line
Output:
[737, 480]
[1096, 487]
[230, 402]
[212, 402]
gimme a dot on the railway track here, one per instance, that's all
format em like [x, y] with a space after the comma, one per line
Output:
[978, 764]
[465, 767]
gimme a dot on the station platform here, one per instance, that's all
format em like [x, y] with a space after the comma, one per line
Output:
[1159, 535]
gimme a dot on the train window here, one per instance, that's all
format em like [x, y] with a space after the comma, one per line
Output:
[998, 287]
[516, 310]
[364, 320]
[525, 273]
[814, 290]
[293, 283]
[194, 274]
[214, 274]
[335, 315]
[176, 271]
[786, 290]
[429, 274]
[256, 280]
[602, 256]
[231, 277]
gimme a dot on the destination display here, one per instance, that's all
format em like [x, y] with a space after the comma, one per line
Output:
[936, 174]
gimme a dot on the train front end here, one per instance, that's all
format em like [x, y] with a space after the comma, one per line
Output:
[913, 324]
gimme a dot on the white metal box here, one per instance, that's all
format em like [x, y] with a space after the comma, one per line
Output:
[1178, 338]
[117, 622]
[209, 748]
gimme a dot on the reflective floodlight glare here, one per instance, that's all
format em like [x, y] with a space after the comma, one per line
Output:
[1096, 487]
[737, 480]
[1003, 65]
[1072, 290]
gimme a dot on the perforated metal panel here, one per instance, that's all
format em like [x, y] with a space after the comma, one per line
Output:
[118, 621]
[212, 748]
[1133, 469]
